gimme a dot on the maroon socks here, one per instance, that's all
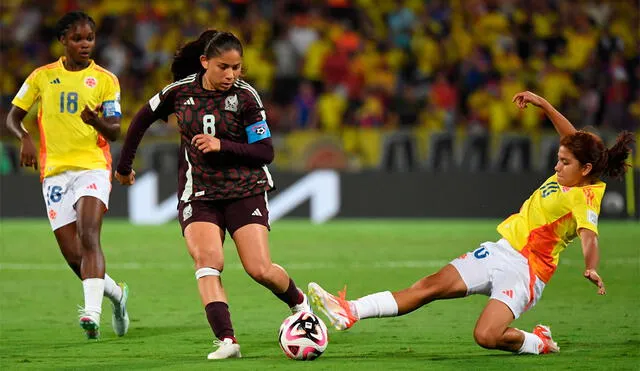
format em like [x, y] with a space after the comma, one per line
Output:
[292, 296]
[220, 320]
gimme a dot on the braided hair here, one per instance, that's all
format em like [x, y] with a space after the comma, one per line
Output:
[64, 24]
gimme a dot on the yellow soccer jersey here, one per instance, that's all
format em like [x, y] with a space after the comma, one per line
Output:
[66, 142]
[549, 220]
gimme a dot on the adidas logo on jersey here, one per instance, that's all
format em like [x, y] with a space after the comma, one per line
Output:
[55, 81]
[256, 212]
[189, 102]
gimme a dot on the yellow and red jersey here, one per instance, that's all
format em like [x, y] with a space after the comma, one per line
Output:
[549, 220]
[67, 142]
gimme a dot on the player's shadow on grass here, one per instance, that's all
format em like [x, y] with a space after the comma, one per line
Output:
[154, 331]
[417, 356]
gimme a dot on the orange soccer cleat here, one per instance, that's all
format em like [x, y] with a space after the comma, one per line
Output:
[548, 345]
[336, 308]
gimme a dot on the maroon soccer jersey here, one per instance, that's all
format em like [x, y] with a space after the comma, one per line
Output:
[237, 118]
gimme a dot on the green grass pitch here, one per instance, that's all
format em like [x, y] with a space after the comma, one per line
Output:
[39, 330]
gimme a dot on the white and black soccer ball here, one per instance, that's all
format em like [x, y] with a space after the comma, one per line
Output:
[303, 336]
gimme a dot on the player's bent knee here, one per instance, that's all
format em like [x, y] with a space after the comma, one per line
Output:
[259, 273]
[203, 258]
[485, 338]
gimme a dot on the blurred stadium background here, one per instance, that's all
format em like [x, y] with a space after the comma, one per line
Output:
[364, 84]
[379, 109]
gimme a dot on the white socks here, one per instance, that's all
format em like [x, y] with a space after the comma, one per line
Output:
[380, 304]
[531, 344]
[112, 290]
[93, 293]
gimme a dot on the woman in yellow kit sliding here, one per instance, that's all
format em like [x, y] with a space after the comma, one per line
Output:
[514, 270]
[79, 111]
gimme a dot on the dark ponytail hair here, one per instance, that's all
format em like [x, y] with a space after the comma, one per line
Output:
[588, 148]
[210, 43]
[64, 24]
[187, 59]
[617, 155]
[222, 42]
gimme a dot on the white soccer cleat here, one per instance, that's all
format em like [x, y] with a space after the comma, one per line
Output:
[336, 308]
[120, 317]
[226, 349]
[548, 345]
[90, 323]
[302, 307]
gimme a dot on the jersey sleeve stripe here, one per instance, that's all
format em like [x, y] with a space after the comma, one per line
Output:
[244, 85]
[186, 80]
[188, 186]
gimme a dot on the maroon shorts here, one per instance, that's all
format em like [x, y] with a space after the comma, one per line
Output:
[229, 215]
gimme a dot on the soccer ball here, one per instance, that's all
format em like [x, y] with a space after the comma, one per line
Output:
[303, 336]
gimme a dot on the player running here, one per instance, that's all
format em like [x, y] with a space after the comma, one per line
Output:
[79, 111]
[514, 270]
[223, 178]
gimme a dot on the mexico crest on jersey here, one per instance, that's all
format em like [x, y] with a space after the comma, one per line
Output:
[90, 82]
[231, 103]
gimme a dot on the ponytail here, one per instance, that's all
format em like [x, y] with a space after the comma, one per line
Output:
[616, 156]
[588, 148]
[187, 59]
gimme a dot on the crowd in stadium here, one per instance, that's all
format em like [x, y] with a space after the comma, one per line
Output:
[365, 63]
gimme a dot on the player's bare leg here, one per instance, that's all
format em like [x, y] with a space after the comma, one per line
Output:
[253, 248]
[89, 223]
[204, 241]
[71, 248]
[445, 284]
[492, 331]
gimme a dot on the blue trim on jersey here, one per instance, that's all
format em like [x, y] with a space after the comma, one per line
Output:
[111, 108]
[257, 131]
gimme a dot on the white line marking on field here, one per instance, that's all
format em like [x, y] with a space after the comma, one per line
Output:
[296, 265]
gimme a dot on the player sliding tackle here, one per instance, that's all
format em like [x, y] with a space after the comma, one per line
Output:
[514, 270]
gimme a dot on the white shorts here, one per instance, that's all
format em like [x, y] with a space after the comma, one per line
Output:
[497, 270]
[62, 191]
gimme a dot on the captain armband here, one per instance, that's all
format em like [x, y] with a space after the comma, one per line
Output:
[111, 108]
[257, 131]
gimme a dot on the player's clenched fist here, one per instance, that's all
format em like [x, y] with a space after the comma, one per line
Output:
[90, 116]
[206, 143]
